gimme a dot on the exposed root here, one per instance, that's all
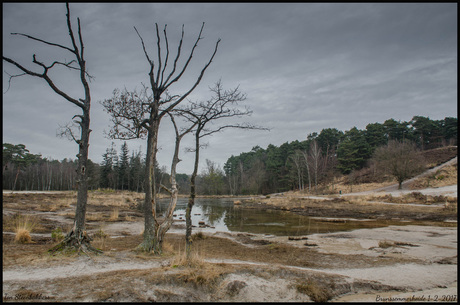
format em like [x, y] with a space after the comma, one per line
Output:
[75, 242]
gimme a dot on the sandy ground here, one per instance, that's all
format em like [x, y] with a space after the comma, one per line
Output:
[433, 274]
[424, 268]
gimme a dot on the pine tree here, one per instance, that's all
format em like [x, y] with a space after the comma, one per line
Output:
[107, 167]
[123, 168]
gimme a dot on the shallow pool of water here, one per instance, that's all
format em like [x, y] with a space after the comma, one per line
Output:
[220, 214]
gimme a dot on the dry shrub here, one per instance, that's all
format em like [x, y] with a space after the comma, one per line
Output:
[386, 244]
[167, 247]
[99, 239]
[57, 234]
[316, 291]
[22, 236]
[93, 216]
[115, 213]
[198, 235]
[180, 260]
[23, 226]
[204, 275]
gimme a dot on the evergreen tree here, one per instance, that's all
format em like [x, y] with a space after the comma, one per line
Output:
[353, 152]
[375, 135]
[123, 168]
[136, 172]
[450, 130]
[107, 171]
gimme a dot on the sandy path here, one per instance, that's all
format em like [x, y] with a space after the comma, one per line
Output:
[429, 244]
[82, 266]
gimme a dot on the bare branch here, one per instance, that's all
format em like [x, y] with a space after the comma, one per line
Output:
[221, 106]
[45, 77]
[190, 58]
[143, 47]
[240, 126]
[72, 38]
[82, 47]
[197, 81]
[45, 42]
[10, 78]
[167, 55]
[67, 132]
[177, 57]
[159, 56]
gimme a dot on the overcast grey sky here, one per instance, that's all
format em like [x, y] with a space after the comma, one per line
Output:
[303, 66]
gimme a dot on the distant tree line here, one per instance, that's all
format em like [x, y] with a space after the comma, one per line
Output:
[305, 164]
[294, 165]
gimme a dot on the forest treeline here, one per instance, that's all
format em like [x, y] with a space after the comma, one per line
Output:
[295, 165]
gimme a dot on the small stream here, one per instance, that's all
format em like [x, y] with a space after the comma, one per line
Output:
[220, 215]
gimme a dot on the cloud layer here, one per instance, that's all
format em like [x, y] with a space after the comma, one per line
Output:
[304, 67]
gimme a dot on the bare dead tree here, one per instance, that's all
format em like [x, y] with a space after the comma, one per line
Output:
[296, 158]
[77, 237]
[222, 105]
[163, 227]
[136, 118]
[401, 159]
[306, 162]
[315, 154]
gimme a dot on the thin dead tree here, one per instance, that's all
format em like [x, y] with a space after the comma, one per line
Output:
[296, 158]
[306, 162]
[222, 105]
[163, 227]
[77, 237]
[315, 154]
[144, 119]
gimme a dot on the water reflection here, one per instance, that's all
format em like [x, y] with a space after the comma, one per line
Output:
[220, 215]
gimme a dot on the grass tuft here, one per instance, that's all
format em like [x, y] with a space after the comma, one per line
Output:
[115, 214]
[23, 226]
[317, 292]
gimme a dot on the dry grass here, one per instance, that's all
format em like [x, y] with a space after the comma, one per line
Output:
[57, 235]
[316, 291]
[180, 260]
[386, 244]
[22, 236]
[21, 225]
[443, 177]
[99, 239]
[91, 216]
[129, 218]
[114, 198]
[114, 215]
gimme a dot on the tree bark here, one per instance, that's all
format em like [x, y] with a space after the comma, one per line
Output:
[77, 238]
[161, 229]
[149, 184]
[191, 201]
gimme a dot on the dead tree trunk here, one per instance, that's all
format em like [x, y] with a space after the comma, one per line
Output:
[77, 237]
[191, 200]
[161, 229]
[147, 244]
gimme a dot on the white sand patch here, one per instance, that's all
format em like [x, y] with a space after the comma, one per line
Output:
[251, 288]
[422, 242]
[412, 276]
